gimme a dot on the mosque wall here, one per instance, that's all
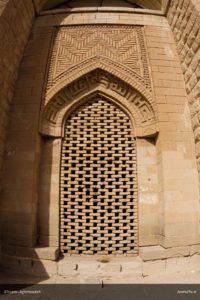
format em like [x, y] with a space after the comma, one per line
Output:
[168, 195]
[168, 189]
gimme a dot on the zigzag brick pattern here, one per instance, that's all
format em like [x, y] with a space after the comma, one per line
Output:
[99, 182]
[76, 45]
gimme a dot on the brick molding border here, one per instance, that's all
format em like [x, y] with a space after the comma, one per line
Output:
[140, 109]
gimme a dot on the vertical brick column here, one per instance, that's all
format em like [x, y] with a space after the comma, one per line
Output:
[179, 194]
[19, 195]
[49, 192]
[149, 227]
[16, 18]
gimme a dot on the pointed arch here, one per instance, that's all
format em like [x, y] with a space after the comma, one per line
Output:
[99, 82]
[105, 64]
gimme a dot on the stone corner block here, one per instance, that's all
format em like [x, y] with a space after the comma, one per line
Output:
[158, 252]
[66, 267]
[88, 267]
[151, 268]
[132, 267]
[111, 267]
[47, 253]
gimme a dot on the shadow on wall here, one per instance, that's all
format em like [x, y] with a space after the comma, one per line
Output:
[18, 205]
[20, 257]
[30, 192]
[59, 4]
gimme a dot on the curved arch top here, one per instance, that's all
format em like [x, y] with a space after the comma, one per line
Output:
[141, 110]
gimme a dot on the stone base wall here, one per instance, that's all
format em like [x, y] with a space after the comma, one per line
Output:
[94, 270]
[184, 19]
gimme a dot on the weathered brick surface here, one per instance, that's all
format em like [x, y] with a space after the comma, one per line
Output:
[175, 144]
[19, 193]
[184, 19]
[16, 17]
[15, 23]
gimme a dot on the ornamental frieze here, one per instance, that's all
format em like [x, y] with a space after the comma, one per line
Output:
[99, 80]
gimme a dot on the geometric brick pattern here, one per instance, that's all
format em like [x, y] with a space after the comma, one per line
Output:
[184, 18]
[99, 182]
[75, 46]
[101, 82]
[78, 45]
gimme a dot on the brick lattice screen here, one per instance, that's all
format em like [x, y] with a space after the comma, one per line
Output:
[99, 182]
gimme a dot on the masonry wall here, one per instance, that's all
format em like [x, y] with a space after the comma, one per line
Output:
[16, 18]
[173, 151]
[184, 19]
[19, 195]
[179, 208]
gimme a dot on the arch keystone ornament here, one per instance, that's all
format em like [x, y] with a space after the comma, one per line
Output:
[140, 109]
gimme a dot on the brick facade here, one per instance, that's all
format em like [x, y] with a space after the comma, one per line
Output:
[146, 80]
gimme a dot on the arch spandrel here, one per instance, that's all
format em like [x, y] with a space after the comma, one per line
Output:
[98, 44]
[90, 65]
[140, 109]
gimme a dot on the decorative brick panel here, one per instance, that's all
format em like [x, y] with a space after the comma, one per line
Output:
[120, 47]
[144, 112]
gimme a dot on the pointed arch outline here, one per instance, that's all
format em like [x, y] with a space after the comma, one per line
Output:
[99, 83]
[103, 63]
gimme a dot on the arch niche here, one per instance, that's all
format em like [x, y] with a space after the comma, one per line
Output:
[55, 114]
